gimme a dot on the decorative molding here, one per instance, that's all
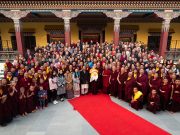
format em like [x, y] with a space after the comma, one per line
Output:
[117, 14]
[14, 14]
[57, 4]
[66, 14]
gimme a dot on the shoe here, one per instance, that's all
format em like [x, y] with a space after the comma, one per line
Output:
[55, 102]
[62, 99]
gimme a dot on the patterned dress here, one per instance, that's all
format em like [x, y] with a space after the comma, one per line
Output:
[61, 85]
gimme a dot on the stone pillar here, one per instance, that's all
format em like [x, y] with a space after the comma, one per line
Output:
[67, 31]
[16, 15]
[167, 16]
[117, 15]
[66, 15]
[116, 32]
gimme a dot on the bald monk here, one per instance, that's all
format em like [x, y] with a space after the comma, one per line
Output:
[142, 81]
[121, 78]
[113, 82]
[105, 76]
[165, 92]
[155, 82]
[129, 84]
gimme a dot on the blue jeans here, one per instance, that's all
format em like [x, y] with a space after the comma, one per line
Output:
[42, 102]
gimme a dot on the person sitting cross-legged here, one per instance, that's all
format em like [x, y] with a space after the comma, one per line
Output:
[137, 99]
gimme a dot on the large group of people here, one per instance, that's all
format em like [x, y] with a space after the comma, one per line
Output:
[57, 71]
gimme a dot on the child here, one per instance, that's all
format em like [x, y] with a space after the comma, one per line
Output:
[42, 94]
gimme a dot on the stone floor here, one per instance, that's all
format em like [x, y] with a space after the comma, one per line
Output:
[61, 119]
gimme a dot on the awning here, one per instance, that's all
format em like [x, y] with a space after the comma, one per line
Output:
[159, 31]
[25, 30]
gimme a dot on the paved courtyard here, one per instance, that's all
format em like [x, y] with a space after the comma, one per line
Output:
[62, 119]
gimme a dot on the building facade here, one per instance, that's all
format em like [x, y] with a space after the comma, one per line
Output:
[27, 24]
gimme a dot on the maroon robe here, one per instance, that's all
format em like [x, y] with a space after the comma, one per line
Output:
[165, 92]
[144, 84]
[129, 88]
[176, 99]
[5, 107]
[107, 74]
[113, 84]
[138, 104]
[156, 84]
[22, 104]
[122, 79]
[30, 101]
[156, 103]
[14, 101]
[25, 82]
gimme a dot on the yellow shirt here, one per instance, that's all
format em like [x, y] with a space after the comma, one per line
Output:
[93, 72]
[137, 95]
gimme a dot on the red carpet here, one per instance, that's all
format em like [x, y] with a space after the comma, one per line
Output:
[108, 118]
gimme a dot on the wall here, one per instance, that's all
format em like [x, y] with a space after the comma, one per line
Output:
[41, 34]
[142, 33]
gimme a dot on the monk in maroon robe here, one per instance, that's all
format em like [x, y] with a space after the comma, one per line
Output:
[155, 82]
[142, 81]
[113, 82]
[5, 105]
[176, 96]
[129, 84]
[153, 104]
[121, 78]
[13, 97]
[30, 100]
[22, 102]
[106, 74]
[165, 92]
[8, 65]
[137, 99]
[25, 82]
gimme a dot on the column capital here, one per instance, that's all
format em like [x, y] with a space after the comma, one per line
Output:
[15, 14]
[117, 14]
[66, 14]
[167, 14]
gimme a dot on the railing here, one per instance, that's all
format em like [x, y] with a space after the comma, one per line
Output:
[7, 55]
[174, 52]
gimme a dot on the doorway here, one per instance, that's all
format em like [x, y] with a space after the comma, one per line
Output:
[154, 43]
